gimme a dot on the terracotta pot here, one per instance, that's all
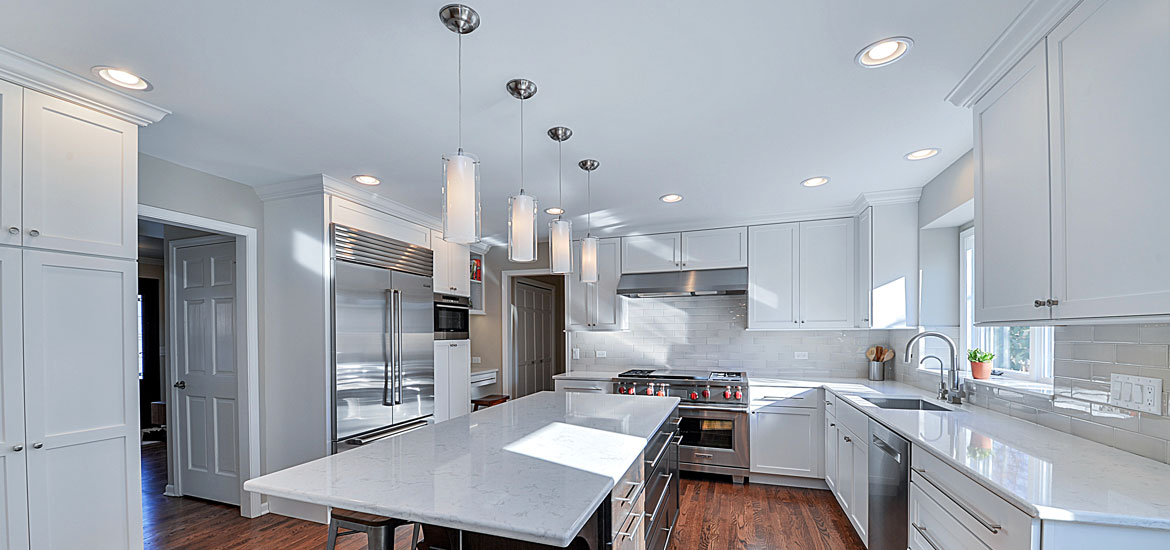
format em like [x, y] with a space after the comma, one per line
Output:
[981, 370]
[980, 441]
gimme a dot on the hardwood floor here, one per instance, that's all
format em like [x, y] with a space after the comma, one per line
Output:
[715, 515]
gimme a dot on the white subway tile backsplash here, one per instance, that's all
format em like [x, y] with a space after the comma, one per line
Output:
[1115, 333]
[1142, 354]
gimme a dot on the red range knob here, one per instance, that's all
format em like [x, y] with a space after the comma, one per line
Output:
[706, 394]
[727, 394]
[694, 395]
[661, 393]
[738, 394]
[622, 390]
[649, 391]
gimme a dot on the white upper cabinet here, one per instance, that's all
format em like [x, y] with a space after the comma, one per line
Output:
[652, 253]
[1108, 84]
[11, 112]
[452, 266]
[597, 306]
[772, 276]
[826, 273]
[887, 266]
[864, 268]
[357, 216]
[80, 179]
[715, 248]
[1012, 273]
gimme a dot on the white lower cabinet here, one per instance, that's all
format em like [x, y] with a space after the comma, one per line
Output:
[830, 445]
[583, 386]
[452, 379]
[931, 528]
[846, 469]
[13, 491]
[788, 440]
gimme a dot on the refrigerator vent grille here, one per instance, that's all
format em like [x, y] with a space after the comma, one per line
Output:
[363, 247]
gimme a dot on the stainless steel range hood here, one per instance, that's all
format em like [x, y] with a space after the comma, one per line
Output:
[707, 282]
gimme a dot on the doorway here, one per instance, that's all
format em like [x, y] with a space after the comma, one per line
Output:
[537, 333]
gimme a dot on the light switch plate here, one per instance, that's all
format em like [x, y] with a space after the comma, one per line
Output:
[475, 361]
[1136, 392]
[800, 355]
[576, 353]
[600, 354]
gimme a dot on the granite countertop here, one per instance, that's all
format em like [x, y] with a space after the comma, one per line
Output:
[1048, 474]
[532, 469]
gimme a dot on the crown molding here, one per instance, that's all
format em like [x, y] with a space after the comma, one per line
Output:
[1037, 19]
[880, 198]
[47, 79]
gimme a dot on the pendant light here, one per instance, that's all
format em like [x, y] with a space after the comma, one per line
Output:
[460, 169]
[560, 231]
[521, 206]
[589, 243]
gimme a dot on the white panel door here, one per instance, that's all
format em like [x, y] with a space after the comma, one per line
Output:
[827, 283]
[459, 269]
[773, 276]
[1108, 82]
[787, 441]
[715, 248]
[1012, 245]
[206, 373]
[442, 380]
[80, 179]
[13, 448]
[865, 267]
[609, 307]
[459, 366]
[81, 402]
[652, 253]
[11, 128]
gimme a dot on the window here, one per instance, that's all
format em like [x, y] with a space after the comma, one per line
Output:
[1020, 352]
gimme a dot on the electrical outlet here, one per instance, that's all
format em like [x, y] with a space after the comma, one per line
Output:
[1136, 392]
[475, 361]
[576, 353]
[599, 354]
[800, 355]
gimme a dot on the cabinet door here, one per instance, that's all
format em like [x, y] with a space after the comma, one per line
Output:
[859, 511]
[1108, 80]
[826, 273]
[459, 269]
[375, 221]
[580, 295]
[459, 365]
[845, 472]
[609, 307]
[1012, 242]
[440, 259]
[13, 503]
[864, 268]
[11, 112]
[715, 248]
[80, 189]
[787, 441]
[652, 253]
[442, 380]
[772, 276]
[830, 444]
[81, 389]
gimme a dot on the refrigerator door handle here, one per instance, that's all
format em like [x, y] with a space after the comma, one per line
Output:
[398, 342]
[387, 354]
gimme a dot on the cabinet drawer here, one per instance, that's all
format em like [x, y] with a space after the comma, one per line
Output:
[809, 398]
[932, 528]
[587, 386]
[853, 419]
[993, 520]
[628, 497]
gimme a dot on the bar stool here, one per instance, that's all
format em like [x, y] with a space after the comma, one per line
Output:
[488, 401]
[379, 530]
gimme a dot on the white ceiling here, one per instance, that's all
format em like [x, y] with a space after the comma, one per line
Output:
[729, 103]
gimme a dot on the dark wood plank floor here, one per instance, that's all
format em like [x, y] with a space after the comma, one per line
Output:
[715, 515]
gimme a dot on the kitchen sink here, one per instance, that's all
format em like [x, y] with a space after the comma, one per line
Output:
[907, 403]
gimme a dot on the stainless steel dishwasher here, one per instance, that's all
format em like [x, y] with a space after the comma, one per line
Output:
[889, 483]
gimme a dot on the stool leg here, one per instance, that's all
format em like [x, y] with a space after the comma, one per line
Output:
[331, 543]
[379, 538]
[414, 538]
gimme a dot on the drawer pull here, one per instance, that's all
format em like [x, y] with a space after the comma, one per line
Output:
[704, 455]
[922, 532]
[661, 499]
[987, 524]
[633, 527]
[633, 492]
[661, 452]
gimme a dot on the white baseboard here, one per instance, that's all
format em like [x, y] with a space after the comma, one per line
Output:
[788, 481]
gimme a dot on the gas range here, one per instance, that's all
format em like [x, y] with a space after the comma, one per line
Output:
[717, 388]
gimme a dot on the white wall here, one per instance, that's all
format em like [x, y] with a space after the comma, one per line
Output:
[168, 185]
[938, 261]
[949, 190]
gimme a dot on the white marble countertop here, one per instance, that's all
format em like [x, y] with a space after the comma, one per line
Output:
[532, 469]
[1048, 474]
[585, 375]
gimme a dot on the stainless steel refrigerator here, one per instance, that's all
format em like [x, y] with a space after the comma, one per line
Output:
[383, 337]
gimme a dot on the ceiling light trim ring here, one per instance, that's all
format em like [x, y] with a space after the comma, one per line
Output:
[103, 72]
[905, 44]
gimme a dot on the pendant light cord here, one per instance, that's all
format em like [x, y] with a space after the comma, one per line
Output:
[588, 203]
[460, 78]
[560, 184]
[521, 146]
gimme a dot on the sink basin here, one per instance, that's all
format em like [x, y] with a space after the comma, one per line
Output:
[906, 403]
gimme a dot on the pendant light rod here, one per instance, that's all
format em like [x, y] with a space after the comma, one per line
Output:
[588, 165]
[522, 89]
[459, 19]
[560, 134]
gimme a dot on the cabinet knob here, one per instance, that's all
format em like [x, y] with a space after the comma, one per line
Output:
[802, 321]
[1052, 302]
[14, 230]
[17, 448]
[848, 439]
[1040, 303]
[38, 445]
[33, 233]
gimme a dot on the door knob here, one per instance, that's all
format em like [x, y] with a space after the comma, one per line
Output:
[17, 448]
[181, 384]
[38, 445]
[33, 233]
[14, 230]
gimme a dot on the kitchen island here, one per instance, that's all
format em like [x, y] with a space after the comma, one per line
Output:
[546, 470]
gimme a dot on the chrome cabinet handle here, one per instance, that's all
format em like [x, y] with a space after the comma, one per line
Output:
[633, 527]
[987, 524]
[1052, 302]
[922, 531]
[14, 230]
[631, 495]
[181, 384]
[1040, 303]
[33, 233]
[848, 439]
[704, 455]
[38, 445]
[17, 448]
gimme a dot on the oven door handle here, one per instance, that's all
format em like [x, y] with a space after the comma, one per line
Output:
[716, 408]
[450, 306]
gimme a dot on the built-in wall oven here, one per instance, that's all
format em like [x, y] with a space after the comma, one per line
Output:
[452, 315]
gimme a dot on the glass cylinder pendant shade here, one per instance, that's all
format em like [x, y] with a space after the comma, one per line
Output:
[460, 198]
[560, 246]
[589, 259]
[522, 228]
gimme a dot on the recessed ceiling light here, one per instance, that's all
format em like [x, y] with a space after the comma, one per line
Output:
[366, 179]
[554, 210]
[923, 154]
[884, 51]
[815, 181]
[122, 78]
[670, 198]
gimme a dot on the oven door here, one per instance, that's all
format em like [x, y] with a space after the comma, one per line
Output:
[713, 436]
[451, 321]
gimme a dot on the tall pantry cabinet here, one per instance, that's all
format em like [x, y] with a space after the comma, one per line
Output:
[69, 441]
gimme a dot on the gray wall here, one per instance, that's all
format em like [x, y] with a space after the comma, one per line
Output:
[949, 190]
[167, 185]
[938, 262]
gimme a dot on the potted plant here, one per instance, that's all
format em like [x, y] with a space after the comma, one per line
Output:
[980, 363]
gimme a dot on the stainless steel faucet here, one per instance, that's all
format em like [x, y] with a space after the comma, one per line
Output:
[953, 394]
